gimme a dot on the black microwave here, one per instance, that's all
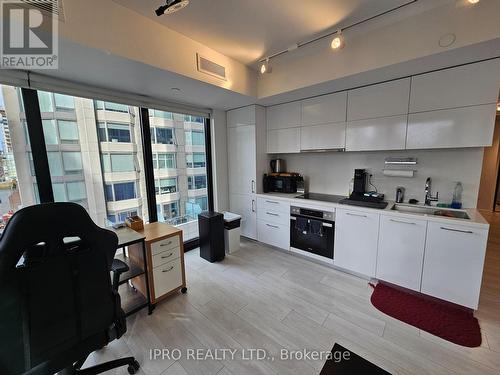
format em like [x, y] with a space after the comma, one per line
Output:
[282, 183]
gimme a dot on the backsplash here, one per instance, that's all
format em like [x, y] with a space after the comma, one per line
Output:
[331, 172]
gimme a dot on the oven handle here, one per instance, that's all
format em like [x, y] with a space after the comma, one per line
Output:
[324, 224]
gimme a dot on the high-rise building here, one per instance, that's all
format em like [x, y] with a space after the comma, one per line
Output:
[94, 150]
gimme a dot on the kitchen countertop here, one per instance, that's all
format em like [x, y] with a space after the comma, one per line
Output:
[476, 219]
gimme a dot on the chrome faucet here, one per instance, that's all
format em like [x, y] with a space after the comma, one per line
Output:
[428, 195]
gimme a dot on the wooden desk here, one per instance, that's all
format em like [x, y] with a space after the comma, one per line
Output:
[165, 261]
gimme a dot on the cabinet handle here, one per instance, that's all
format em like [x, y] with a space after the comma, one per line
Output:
[273, 226]
[253, 186]
[270, 213]
[458, 230]
[273, 202]
[166, 244]
[253, 205]
[167, 256]
[402, 222]
[348, 213]
[168, 270]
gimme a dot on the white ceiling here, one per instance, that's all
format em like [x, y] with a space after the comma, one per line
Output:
[248, 30]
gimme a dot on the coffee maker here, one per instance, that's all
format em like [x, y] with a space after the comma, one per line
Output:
[360, 180]
[360, 191]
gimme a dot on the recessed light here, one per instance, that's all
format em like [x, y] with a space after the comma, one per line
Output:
[473, 1]
[171, 6]
[175, 89]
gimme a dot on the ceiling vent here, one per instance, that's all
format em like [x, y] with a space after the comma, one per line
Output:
[209, 67]
[52, 7]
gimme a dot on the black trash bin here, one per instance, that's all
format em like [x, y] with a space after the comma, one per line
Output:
[211, 233]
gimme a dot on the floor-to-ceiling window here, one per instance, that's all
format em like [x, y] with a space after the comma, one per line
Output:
[17, 176]
[179, 161]
[95, 157]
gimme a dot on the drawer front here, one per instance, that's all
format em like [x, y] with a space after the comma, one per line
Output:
[164, 245]
[167, 277]
[166, 256]
[272, 216]
[274, 234]
[273, 205]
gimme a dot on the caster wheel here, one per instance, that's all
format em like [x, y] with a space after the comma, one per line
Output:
[184, 290]
[133, 368]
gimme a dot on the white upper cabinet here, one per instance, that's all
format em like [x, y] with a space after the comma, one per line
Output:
[283, 141]
[462, 86]
[324, 109]
[383, 133]
[449, 128]
[283, 116]
[380, 100]
[241, 117]
[322, 137]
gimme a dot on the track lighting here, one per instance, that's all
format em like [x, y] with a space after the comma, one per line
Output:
[265, 67]
[171, 6]
[338, 42]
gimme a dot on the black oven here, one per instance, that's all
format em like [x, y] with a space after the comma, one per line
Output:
[312, 231]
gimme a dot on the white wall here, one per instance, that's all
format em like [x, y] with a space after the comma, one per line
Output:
[219, 161]
[331, 172]
[370, 47]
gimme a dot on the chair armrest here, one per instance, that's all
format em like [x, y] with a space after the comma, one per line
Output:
[118, 267]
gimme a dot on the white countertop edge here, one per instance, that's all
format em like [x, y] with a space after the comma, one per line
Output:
[476, 219]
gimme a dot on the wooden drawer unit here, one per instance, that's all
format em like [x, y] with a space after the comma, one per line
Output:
[167, 277]
[165, 256]
[164, 245]
[165, 261]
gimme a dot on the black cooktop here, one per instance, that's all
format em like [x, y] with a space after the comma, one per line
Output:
[322, 197]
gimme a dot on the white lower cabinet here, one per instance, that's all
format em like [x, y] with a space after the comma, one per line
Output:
[246, 206]
[453, 263]
[401, 247]
[274, 234]
[356, 239]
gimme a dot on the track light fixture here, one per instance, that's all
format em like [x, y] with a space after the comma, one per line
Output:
[338, 42]
[171, 6]
[265, 67]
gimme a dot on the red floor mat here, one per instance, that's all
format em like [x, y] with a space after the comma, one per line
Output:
[449, 322]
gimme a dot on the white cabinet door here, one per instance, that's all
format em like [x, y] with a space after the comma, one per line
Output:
[462, 86]
[246, 206]
[283, 141]
[274, 234]
[384, 133]
[242, 159]
[283, 116]
[401, 245]
[323, 137]
[241, 116]
[453, 263]
[460, 127]
[324, 109]
[356, 239]
[381, 100]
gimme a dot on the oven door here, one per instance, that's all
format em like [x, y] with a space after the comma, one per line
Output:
[313, 243]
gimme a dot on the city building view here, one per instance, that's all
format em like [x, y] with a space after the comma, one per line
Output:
[95, 155]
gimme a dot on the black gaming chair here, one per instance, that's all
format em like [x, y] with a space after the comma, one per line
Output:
[57, 303]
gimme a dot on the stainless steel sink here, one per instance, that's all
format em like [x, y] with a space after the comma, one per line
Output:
[435, 211]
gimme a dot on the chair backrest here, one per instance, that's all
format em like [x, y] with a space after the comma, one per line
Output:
[55, 287]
